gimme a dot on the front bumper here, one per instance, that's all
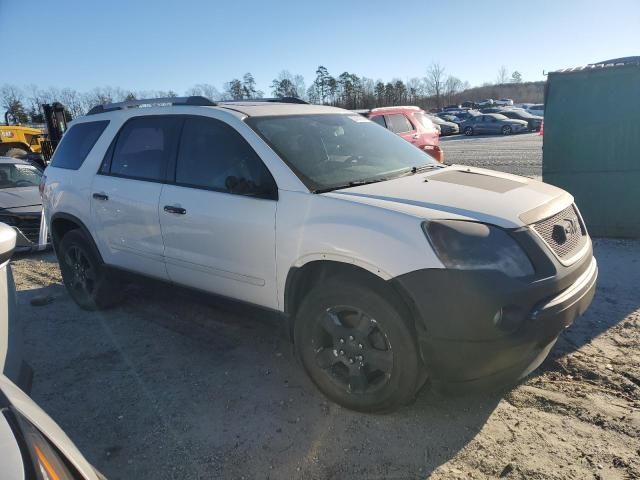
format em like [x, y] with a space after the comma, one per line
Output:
[463, 339]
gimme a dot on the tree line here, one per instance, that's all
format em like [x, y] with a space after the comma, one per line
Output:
[347, 90]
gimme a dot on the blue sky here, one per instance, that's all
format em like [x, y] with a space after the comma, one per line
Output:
[173, 45]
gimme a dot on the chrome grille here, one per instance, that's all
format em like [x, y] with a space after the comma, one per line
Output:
[564, 232]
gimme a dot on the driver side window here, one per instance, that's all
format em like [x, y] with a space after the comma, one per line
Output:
[214, 156]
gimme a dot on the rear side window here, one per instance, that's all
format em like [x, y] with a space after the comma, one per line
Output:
[77, 143]
[398, 123]
[143, 148]
[214, 156]
[379, 119]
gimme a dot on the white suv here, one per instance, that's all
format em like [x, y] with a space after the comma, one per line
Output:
[391, 268]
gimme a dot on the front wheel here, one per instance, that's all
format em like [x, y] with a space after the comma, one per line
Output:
[506, 130]
[357, 347]
[468, 131]
[87, 280]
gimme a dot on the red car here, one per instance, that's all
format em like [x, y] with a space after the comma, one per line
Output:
[412, 124]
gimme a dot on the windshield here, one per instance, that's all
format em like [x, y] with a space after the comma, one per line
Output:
[14, 175]
[333, 150]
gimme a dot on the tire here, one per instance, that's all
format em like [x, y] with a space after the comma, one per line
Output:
[506, 130]
[357, 347]
[90, 284]
[468, 131]
[15, 153]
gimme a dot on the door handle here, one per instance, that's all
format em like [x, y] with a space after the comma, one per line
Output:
[172, 209]
[416, 136]
[101, 196]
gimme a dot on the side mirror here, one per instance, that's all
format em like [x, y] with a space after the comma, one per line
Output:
[7, 242]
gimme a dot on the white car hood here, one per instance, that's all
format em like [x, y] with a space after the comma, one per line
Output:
[464, 193]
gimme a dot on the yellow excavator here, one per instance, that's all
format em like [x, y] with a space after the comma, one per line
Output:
[33, 143]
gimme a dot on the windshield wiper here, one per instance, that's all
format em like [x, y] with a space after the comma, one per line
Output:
[353, 183]
[423, 168]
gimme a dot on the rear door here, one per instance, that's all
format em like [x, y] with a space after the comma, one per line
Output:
[400, 124]
[125, 194]
[218, 215]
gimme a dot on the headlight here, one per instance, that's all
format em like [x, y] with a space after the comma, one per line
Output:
[47, 462]
[476, 246]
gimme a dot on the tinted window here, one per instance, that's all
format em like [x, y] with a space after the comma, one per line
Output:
[398, 123]
[144, 146]
[215, 156]
[379, 119]
[77, 143]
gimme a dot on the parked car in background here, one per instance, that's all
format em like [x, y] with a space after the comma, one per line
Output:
[534, 121]
[463, 114]
[446, 127]
[493, 109]
[412, 124]
[537, 109]
[504, 102]
[449, 108]
[487, 102]
[469, 105]
[522, 105]
[389, 268]
[20, 203]
[450, 118]
[492, 123]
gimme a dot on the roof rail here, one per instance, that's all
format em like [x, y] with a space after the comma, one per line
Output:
[196, 100]
[272, 100]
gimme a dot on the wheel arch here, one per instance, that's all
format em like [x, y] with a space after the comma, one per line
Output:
[302, 279]
[62, 223]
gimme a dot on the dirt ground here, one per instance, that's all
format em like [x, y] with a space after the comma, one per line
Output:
[172, 384]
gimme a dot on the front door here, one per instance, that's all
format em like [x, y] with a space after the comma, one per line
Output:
[126, 192]
[218, 217]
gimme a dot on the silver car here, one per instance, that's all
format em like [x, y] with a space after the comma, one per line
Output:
[20, 203]
[493, 123]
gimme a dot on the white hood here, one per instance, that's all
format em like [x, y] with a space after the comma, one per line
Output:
[464, 193]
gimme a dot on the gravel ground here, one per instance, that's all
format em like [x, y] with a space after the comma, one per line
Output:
[175, 385]
[520, 154]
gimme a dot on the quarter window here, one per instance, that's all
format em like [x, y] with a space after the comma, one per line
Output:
[214, 156]
[398, 123]
[76, 144]
[144, 147]
[379, 119]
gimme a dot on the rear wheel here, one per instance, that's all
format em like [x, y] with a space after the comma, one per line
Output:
[357, 348]
[506, 130]
[468, 131]
[87, 280]
[15, 152]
